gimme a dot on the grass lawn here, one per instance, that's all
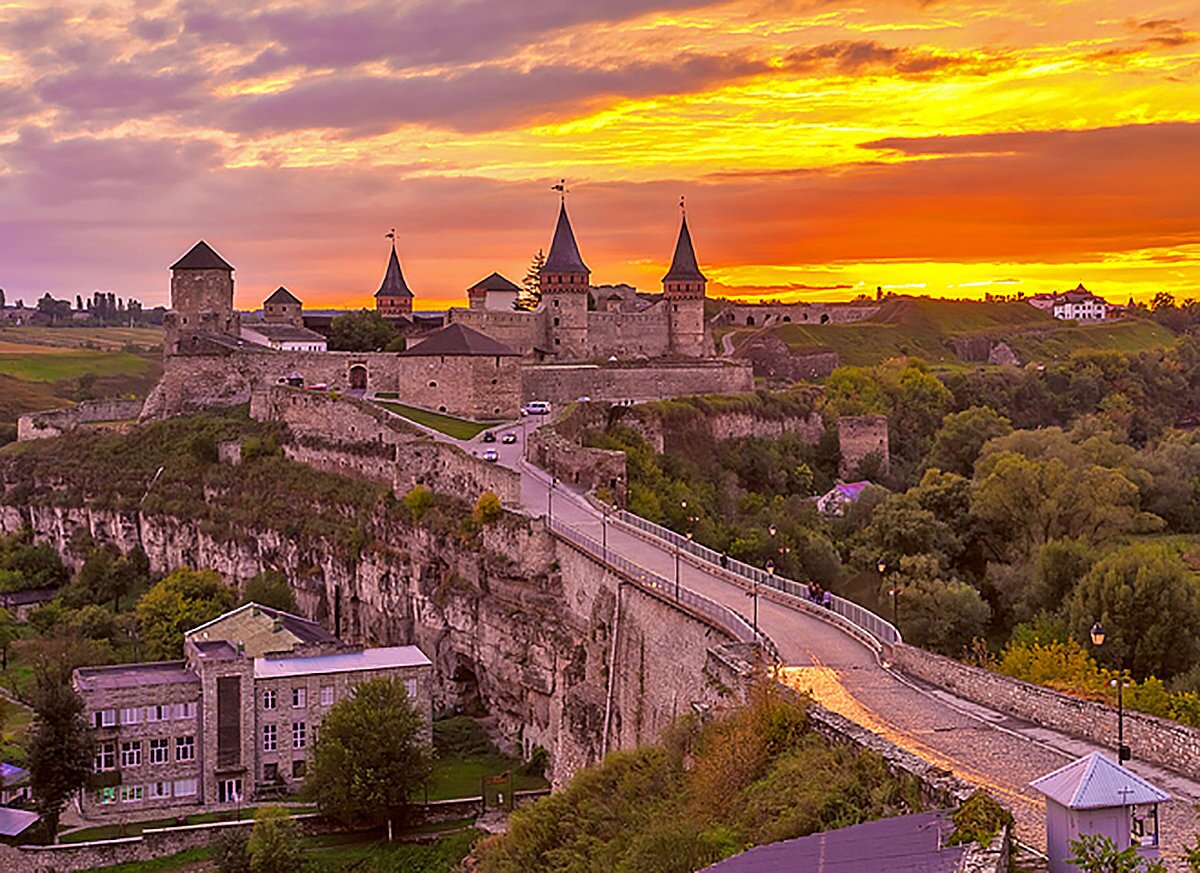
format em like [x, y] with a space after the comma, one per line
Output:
[1133, 335]
[459, 428]
[44, 364]
[132, 829]
[84, 337]
[16, 720]
[192, 859]
[461, 776]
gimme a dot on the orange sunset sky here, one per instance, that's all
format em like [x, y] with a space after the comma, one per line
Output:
[945, 147]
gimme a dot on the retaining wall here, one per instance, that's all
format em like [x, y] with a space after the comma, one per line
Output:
[562, 383]
[56, 422]
[1157, 740]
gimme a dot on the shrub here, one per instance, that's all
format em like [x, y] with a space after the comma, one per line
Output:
[487, 508]
[419, 501]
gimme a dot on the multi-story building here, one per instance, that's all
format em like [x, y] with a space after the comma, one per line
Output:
[234, 721]
[1078, 304]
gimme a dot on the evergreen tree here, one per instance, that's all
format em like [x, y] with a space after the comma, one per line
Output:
[60, 748]
[531, 290]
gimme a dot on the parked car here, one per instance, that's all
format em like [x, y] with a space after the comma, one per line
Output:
[536, 407]
[491, 455]
[509, 437]
[319, 386]
[489, 437]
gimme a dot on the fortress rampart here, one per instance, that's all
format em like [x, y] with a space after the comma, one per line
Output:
[638, 382]
[55, 422]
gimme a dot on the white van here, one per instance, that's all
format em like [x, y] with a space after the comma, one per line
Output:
[536, 407]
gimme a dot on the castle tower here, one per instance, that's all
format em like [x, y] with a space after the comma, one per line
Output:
[564, 285]
[683, 295]
[201, 297]
[394, 299]
[283, 307]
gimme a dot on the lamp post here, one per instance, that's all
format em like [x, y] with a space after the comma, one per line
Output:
[1123, 752]
[677, 550]
[550, 498]
[881, 566]
[604, 530]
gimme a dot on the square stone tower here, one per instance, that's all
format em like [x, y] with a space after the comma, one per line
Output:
[564, 282]
[201, 297]
[683, 294]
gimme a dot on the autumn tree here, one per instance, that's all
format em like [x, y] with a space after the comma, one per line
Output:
[371, 756]
[180, 601]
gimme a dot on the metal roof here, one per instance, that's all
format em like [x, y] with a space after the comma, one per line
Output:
[458, 339]
[683, 265]
[367, 659]
[284, 333]
[904, 844]
[134, 675]
[393, 279]
[1096, 782]
[283, 295]
[302, 628]
[201, 257]
[564, 254]
[14, 822]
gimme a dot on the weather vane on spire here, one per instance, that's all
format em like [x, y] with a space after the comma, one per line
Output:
[561, 188]
[682, 206]
[391, 236]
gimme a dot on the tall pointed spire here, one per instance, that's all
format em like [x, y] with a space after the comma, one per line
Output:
[683, 265]
[564, 254]
[393, 280]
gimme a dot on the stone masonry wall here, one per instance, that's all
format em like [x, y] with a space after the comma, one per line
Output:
[562, 383]
[628, 334]
[56, 422]
[577, 464]
[859, 436]
[1166, 743]
[772, 358]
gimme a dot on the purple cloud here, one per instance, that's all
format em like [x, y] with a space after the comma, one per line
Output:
[122, 89]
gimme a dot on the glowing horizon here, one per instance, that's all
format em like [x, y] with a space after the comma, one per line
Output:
[950, 148]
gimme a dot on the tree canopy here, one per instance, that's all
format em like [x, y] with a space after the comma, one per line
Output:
[180, 601]
[362, 331]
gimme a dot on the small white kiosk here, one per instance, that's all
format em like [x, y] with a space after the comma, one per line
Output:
[1095, 795]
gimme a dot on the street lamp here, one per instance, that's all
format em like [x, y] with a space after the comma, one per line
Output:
[604, 530]
[677, 551]
[881, 566]
[1123, 752]
[550, 498]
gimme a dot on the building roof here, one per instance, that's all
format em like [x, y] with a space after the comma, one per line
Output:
[14, 822]
[458, 339]
[367, 659]
[134, 675]
[215, 650]
[284, 333]
[564, 254]
[904, 844]
[393, 279]
[1097, 782]
[494, 282]
[683, 265]
[201, 257]
[28, 596]
[11, 775]
[303, 629]
[282, 295]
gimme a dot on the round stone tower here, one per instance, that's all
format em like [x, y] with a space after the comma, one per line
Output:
[564, 282]
[683, 294]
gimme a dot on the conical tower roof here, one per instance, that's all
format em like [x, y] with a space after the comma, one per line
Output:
[201, 257]
[393, 280]
[564, 254]
[683, 264]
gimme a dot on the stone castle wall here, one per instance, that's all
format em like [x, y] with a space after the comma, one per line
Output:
[577, 464]
[1166, 743]
[348, 436]
[521, 331]
[760, 314]
[563, 383]
[629, 334]
[56, 422]
[860, 436]
[772, 358]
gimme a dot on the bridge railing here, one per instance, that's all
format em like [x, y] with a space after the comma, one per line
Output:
[722, 616]
[862, 618]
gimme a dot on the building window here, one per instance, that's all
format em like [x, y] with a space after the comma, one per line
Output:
[185, 787]
[131, 715]
[432, 384]
[271, 772]
[410, 687]
[229, 790]
[160, 751]
[299, 735]
[132, 793]
[104, 718]
[299, 698]
[185, 749]
[106, 795]
[106, 757]
[299, 768]
[162, 712]
[268, 700]
[270, 737]
[556, 321]
[160, 789]
[326, 695]
[185, 710]
[131, 754]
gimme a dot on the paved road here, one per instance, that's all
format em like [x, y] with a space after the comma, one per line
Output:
[981, 746]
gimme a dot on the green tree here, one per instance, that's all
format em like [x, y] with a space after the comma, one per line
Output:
[181, 601]
[920, 401]
[1059, 566]
[362, 331]
[1149, 607]
[942, 614]
[1096, 853]
[419, 501]
[961, 437]
[371, 756]
[8, 636]
[95, 622]
[531, 289]
[270, 588]
[38, 563]
[273, 846]
[60, 747]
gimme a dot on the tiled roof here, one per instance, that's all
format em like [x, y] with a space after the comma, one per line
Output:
[564, 254]
[283, 296]
[904, 844]
[494, 282]
[1095, 782]
[201, 257]
[458, 339]
[367, 659]
[683, 265]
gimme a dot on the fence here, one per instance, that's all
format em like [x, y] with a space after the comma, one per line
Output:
[722, 616]
[861, 618]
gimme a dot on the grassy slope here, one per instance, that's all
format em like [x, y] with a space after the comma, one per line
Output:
[923, 327]
[459, 428]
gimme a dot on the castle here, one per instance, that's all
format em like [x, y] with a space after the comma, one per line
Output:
[565, 328]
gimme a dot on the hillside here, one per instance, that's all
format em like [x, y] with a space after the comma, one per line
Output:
[46, 368]
[925, 327]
